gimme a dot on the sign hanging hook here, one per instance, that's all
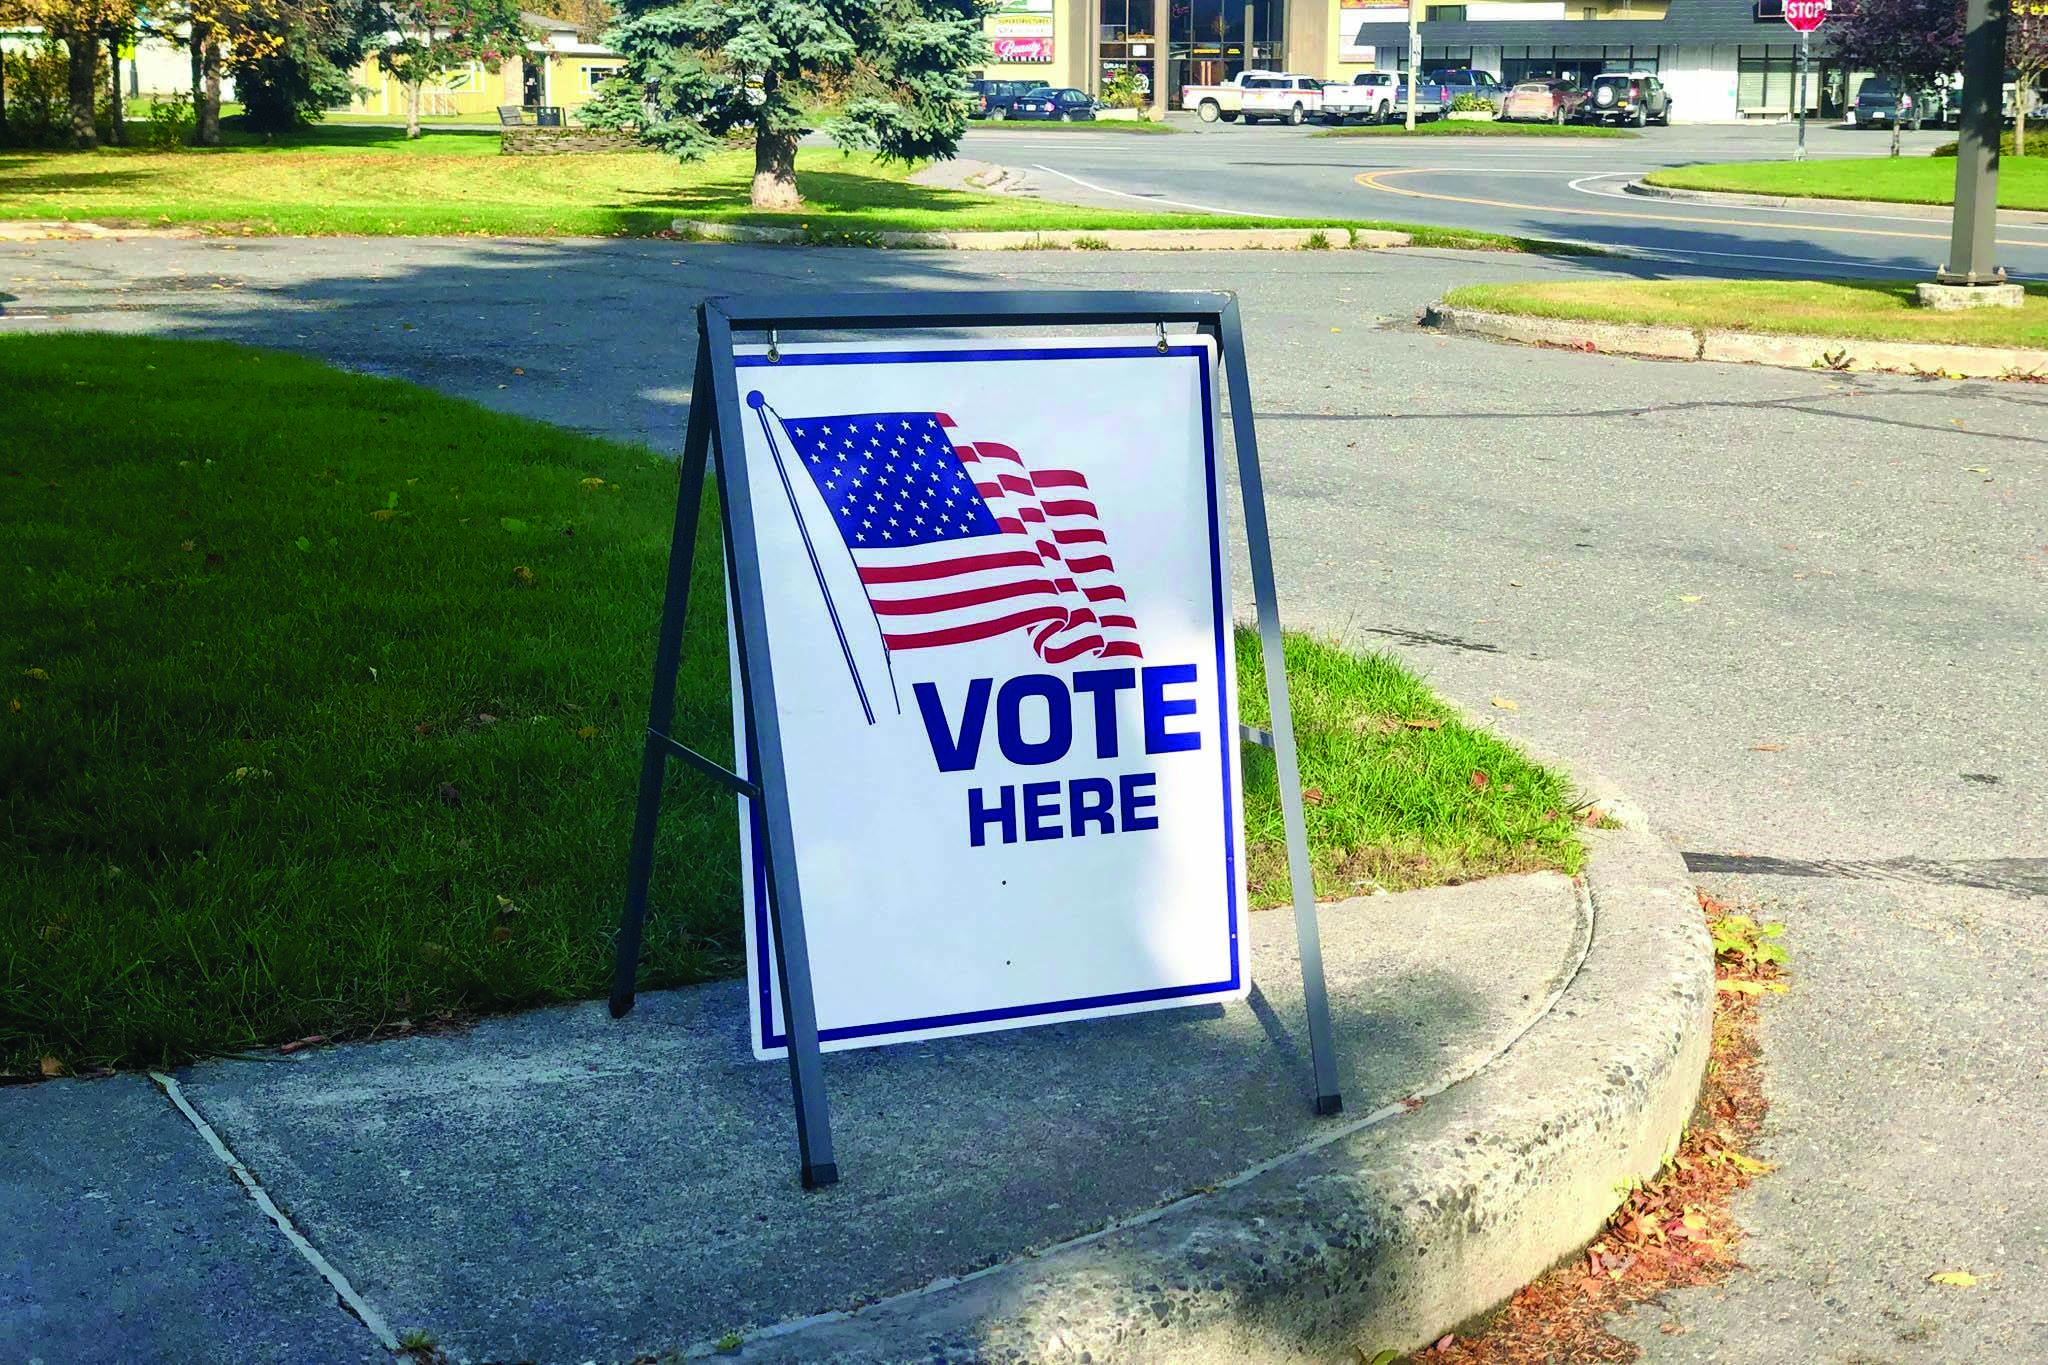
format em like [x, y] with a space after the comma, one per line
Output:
[1162, 336]
[774, 346]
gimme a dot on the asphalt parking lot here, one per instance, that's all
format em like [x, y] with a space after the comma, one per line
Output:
[1560, 188]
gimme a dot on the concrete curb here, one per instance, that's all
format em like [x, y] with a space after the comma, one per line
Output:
[1843, 354]
[1892, 207]
[1106, 239]
[1388, 1230]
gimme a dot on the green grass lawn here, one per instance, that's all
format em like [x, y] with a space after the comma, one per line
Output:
[371, 181]
[1870, 310]
[1461, 128]
[2022, 182]
[321, 700]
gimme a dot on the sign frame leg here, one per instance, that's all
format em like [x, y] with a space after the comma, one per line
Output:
[1258, 541]
[764, 765]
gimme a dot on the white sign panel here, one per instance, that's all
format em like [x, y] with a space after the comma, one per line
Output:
[997, 608]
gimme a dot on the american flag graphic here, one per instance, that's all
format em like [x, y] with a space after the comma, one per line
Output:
[963, 540]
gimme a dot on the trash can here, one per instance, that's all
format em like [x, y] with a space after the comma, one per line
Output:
[549, 116]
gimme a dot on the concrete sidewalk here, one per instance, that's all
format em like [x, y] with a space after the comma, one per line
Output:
[557, 1186]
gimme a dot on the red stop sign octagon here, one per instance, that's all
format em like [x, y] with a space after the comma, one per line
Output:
[1806, 15]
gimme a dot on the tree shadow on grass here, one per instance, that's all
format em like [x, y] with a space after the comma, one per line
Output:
[18, 176]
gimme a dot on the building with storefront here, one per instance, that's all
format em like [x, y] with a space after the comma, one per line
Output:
[1723, 60]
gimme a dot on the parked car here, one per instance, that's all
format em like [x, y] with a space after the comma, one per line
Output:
[992, 99]
[1058, 104]
[1636, 97]
[1369, 96]
[1543, 102]
[1882, 101]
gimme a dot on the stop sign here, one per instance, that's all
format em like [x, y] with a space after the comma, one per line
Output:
[1806, 15]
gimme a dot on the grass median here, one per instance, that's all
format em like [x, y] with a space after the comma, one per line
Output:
[321, 700]
[1867, 310]
[1461, 128]
[373, 182]
[2022, 182]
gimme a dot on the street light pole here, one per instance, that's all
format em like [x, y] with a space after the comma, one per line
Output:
[1414, 55]
[1159, 22]
[1972, 234]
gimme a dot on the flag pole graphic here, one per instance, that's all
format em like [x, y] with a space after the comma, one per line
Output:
[758, 403]
[888, 659]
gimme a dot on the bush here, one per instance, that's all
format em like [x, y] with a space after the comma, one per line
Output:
[38, 95]
[1472, 104]
[170, 122]
[1124, 90]
[2037, 143]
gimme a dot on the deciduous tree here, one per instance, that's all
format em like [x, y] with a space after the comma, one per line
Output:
[426, 39]
[1912, 42]
[2026, 52]
[82, 26]
[702, 71]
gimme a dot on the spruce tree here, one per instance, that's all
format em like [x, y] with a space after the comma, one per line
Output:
[701, 72]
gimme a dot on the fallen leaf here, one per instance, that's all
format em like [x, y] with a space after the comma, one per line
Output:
[301, 1044]
[449, 796]
[1424, 723]
[1689, 597]
[215, 561]
[502, 934]
[521, 574]
[591, 484]
[1954, 1279]
[1480, 780]
[589, 732]
[52, 1066]
[486, 718]
[303, 544]
[1506, 705]
[35, 673]
[1767, 748]
[517, 370]
[382, 514]
[187, 546]
[1976, 469]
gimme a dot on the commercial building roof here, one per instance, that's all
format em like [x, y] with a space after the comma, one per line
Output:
[1686, 21]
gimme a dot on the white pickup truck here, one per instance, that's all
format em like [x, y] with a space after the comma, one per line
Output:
[1370, 96]
[1284, 96]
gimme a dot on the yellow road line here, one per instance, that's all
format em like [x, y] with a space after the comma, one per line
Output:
[1373, 180]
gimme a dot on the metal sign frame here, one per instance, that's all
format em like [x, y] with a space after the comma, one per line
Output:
[716, 414]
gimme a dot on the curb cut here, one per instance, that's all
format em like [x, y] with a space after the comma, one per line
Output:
[1838, 354]
[1104, 239]
[1395, 1229]
[1738, 198]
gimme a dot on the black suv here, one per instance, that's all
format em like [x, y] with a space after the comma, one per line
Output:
[992, 99]
[1882, 101]
[1636, 97]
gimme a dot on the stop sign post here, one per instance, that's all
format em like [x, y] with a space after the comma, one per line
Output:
[1805, 16]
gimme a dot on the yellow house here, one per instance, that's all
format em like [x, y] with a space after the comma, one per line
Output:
[559, 69]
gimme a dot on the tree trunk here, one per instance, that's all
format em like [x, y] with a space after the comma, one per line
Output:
[116, 133]
[209, 113]
[4, 135]
[82, 56]
[1898, 117]
[412, 109]
[2019, 117]
[205, 87]
[775, 172]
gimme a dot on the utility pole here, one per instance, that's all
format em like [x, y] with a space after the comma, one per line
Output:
[1972, 278]
[1414, 55]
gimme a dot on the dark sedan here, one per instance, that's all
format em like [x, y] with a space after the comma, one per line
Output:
[1056, 104]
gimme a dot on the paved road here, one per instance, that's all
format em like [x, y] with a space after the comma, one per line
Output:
[1568, 188]
[1800, 616]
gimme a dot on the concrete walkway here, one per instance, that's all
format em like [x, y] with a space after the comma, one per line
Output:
[557, 1186]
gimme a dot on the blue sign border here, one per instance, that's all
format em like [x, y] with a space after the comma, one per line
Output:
[1227, 723]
